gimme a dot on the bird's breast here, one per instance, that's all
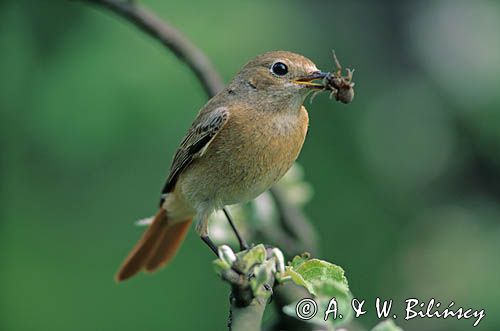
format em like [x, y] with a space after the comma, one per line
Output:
[252, 152]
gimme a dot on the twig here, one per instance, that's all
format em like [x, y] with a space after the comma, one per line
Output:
[252, 281]
[248, 318]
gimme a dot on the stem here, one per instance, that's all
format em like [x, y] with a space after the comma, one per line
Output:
[248, 318]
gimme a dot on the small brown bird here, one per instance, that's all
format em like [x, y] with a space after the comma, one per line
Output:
[241, 143]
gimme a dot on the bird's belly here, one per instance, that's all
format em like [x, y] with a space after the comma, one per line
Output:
[238, 177]
[246, 183]
[238, 167]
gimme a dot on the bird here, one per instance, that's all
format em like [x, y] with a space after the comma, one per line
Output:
[242, 141]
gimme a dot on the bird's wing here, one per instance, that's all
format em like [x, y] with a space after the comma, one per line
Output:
[203, 130]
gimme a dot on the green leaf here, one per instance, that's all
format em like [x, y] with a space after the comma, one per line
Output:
[387, 325]
[220, 266]
[317, 270]
[312, 273]
[299, 259]
[263, 273]
[247, 259]
[324, 281]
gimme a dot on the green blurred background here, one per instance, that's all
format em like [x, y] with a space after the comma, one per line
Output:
[406, 178]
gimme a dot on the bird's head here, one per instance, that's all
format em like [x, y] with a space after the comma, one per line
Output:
[279, 75]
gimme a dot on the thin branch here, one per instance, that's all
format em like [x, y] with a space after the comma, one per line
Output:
[247, 301]
[171, 38]
[248, 318]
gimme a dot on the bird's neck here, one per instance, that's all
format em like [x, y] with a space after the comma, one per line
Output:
[265, 100]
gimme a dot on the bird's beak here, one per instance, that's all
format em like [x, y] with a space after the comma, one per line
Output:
[307, 81]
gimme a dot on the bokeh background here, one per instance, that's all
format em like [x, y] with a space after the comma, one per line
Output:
[406, 179]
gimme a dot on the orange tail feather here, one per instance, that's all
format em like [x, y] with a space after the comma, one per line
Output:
[157, 246]
[168, 245]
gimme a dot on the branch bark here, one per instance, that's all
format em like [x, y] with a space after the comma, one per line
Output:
[246, 309]
[252, 281]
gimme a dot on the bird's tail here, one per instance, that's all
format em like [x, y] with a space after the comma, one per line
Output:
[156, 248]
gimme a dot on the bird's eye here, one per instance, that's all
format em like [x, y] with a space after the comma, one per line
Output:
[279, 69]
